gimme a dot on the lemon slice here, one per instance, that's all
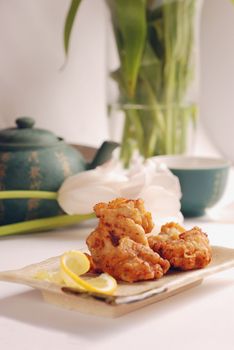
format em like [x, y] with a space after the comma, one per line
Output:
[73, 264]
[102, 284]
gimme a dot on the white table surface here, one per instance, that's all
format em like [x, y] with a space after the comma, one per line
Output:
[200, 318]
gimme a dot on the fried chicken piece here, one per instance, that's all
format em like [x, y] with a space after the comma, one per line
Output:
[128, 260]
[124, 218]
[172, 228]
[185, 250]
[119, 245]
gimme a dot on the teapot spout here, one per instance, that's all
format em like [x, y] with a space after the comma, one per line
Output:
[103, 154]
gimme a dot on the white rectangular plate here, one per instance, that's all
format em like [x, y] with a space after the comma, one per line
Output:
[128, 297]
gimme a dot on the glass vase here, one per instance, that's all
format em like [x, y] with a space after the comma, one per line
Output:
[153, 75]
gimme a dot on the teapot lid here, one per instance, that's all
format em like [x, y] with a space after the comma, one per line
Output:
[24, 135]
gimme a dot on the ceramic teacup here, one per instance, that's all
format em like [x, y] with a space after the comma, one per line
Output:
[203, 181]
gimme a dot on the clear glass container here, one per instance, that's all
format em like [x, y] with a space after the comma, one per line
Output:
[153, 75]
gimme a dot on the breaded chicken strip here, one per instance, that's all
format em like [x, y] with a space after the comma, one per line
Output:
[119, 245]
[185, 250]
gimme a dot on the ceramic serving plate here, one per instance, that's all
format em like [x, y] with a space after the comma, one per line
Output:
[127, 297]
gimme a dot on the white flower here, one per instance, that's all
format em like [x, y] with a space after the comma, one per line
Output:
[148, 180]
[79, 193]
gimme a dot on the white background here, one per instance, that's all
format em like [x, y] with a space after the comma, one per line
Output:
[72, 102]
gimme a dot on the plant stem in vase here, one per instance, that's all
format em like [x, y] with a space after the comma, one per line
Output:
[156, 74]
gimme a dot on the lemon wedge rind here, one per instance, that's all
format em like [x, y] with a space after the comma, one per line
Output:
[75, 263]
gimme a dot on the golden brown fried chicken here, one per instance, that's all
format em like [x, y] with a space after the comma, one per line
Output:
[125, 218]
[128, 260]
[185, 250]
[119, 245]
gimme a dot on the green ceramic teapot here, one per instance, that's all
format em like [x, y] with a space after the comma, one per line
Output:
[36, 159]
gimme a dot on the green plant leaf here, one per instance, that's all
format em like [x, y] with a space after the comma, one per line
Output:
[39, 225]
[130, 28]
[69, 23]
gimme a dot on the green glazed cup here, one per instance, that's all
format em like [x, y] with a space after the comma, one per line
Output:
[203, 181]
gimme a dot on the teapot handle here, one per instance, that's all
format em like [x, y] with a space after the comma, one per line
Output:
[103, 154]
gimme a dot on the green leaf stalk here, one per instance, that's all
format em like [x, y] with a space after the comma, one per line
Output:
[39, 224]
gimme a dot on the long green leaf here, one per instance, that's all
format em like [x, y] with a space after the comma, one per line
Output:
[28, 194]
[131, 26]
[39, 225]
[69, 22]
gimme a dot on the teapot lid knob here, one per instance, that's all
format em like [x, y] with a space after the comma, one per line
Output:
[25, 123]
